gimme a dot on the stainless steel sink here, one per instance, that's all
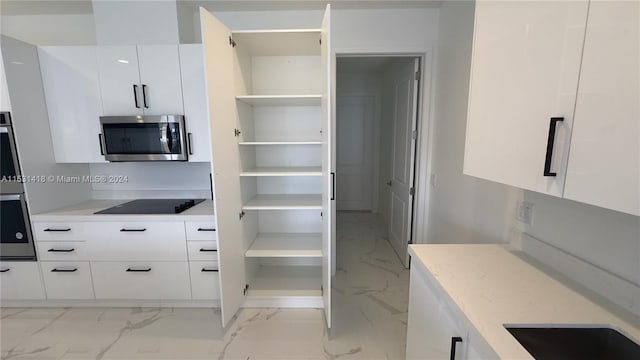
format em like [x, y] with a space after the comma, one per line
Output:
[578, 343]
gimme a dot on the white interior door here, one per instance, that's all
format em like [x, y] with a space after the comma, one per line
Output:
[355, 122]
[219, 63]
[403, 157]
[328, 167]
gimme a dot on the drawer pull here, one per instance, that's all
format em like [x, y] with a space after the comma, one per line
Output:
[204, 269]
[206, 229]
[62, 250]
[133, 230]
[58, 230]
[207, 250]
[454, 341]
[139, 269]
[64, 270]
[4, 270]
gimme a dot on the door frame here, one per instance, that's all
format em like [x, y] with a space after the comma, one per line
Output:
[423, 141]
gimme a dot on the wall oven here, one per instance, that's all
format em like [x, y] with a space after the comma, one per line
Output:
[16, 240]
[143, 138]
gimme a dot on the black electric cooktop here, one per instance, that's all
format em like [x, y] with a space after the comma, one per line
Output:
[152, 206]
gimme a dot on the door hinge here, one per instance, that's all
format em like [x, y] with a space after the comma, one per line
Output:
[320, 41]
[418, 75]
[414, 134]
[321, 290]
[236, 132]
[245, 290]
[232, 42]
[412, 191]
[241, 214]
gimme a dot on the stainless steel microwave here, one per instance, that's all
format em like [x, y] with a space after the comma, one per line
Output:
[143, 138]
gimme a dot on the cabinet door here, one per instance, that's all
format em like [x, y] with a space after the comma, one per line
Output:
[119, 80]
[20, 280]
[194, 97]
[328, 164]
[72, 91]
[5, 104]
[223, 118]
[430, 327]
[67, 280]
[524, 71]
[604, 162]
[160, 79]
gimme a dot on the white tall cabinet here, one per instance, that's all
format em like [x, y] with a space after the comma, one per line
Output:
[269, 113]
[546, 115]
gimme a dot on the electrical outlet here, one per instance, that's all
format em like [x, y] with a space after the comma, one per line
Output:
[525, 213]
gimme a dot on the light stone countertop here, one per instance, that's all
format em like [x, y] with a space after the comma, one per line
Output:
[85, 211]
[493, 285]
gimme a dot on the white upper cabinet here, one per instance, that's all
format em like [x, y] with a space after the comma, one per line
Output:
[571, 67]
[524, 71]
[137, 80]
[72, 92]
[604, 161]
[194, 96]
[5, 105]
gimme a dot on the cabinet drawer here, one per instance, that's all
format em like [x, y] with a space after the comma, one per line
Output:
[60, 231]
[123, 241]
[141, 280]
[199, 230]
[203, 250]
[20, 280]
[67, 279]
[205, 280]
[62, 250]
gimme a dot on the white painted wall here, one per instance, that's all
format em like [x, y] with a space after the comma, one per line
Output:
[153, 180]
[33, 137]
[354, 82]
[50, 29]
[462, 209]
[119, 22]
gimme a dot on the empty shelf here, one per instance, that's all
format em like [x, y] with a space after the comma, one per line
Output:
[281, 100]
[286, 245]
[283, 171]
[286, 281]
[278, 42]
[284, 202]
[280, 143]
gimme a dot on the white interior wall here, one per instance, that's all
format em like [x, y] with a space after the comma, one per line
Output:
[32, 133]
[50, 29]
[152, 180]
[462, 209]
[465, 209]
[362, 82]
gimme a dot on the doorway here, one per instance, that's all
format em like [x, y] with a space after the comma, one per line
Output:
[377, 102]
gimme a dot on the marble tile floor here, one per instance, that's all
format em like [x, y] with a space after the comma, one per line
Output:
[370, 294]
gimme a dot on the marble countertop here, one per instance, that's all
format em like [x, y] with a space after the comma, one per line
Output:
[85, 211]
[493, 285]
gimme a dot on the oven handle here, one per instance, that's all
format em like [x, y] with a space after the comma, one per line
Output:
[10, 197]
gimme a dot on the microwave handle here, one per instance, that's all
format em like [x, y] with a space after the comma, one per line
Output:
[100, 143]
[166, 136]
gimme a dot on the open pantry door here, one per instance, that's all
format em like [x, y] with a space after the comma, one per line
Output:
[328, 165]
[219, 61]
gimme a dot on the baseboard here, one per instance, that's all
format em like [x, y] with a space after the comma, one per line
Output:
[112, 303]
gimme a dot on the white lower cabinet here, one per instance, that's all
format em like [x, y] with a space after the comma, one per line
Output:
[20, 280]
[205, 280]
[142, 280]
[67, 280]
[203, 251]
[433, 330]
[62, 250]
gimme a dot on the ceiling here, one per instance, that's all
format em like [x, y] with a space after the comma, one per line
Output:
[40, 7]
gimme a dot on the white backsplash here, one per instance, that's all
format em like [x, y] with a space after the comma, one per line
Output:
[151, 180]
